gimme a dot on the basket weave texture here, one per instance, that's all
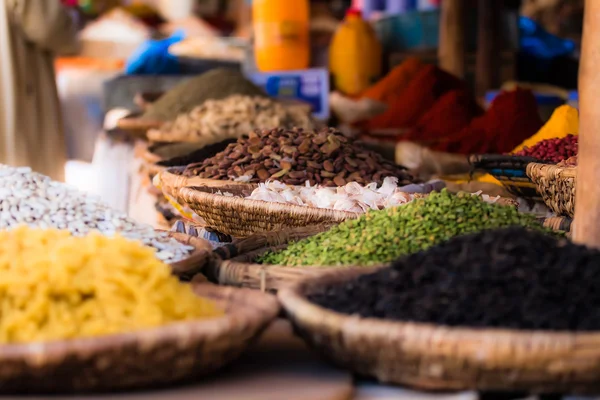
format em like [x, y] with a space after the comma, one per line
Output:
[235, 264]
[556, 186]
[171, 181]
[443, 358]
[563, 224]
[196, 261]
[141, 359]
[240, 217]
[510, 171]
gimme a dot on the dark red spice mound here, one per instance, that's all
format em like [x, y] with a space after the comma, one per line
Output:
[448, 116]
[552, 150]
[512, 117]
[419, 96]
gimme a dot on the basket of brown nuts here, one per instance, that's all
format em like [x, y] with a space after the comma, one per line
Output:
[215, 188]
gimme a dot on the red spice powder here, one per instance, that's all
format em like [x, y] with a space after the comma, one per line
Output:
[405, 109]
[391, 85]
[448, 116]
[512, 117]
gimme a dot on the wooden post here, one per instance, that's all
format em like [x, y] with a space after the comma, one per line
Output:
[587, 201]
[488, 45]
[451, 51]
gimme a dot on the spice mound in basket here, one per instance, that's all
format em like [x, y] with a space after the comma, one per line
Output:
[380, 237]
[552, 150]
[295, 156]
[57, 286]
[507, 278]
[232, 117]
[35, 200]
[216, 84]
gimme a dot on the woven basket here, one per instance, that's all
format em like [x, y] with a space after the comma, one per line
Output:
[141, 359]
[137, 127]
[510, 171]
[171, 180]
[562, 224]
[556, 185]
[143, 151]
[444, 358]
[234, 264]
[197, 260]
[241, 217]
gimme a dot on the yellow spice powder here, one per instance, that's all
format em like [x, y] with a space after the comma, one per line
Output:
[564, 121]
[55, 286]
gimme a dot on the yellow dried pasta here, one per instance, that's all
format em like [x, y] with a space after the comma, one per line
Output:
[55, 286]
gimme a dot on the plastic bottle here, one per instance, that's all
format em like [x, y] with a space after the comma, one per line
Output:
[354, 55]
[281, 34]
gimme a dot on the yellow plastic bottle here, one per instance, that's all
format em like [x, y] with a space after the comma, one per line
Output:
[281, 34]
[354, 55]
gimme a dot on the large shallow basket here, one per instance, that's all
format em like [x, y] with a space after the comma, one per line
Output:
[556, 186]
[444, 358]
[240, 217]
[510, 171]
[235, 264]
[141, 359]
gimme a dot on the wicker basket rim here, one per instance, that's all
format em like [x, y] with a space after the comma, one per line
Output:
[293, 300]
[264, 207]
[535, 170]
[250, 306]
[171, 173]
[201, 253]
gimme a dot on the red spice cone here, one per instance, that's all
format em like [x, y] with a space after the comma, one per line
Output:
[420, 95]
[446, 119]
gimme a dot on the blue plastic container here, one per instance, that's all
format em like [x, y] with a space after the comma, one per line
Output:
[573, 99]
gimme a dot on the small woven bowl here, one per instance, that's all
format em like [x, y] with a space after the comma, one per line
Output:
[142, 359]
[556, 186]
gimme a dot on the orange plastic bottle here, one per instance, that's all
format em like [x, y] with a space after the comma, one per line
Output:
[281, 34]
[354, 55]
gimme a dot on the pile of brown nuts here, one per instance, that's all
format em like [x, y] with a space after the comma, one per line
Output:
[294, 156]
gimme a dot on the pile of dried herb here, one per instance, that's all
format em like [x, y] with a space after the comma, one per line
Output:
[383, 236]
[506, 278]
[213, 85]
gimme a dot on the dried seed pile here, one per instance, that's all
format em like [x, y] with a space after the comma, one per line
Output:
[232, 117]
[382, 236]
[215, 84]
[37, 201]
[295, 156]
[552, 150]
[507, 278]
